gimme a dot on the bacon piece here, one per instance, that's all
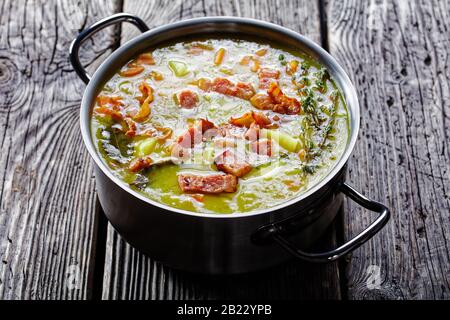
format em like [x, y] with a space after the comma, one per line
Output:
[145, 100]
[140, 163]
[229, 162]
[262, 147]
[224, 143]
[177, 151]
[276, 101]
[202, 128]
[283, 103]
[191, 137]
[224, 86]
[267, 76]
[110, 106]
[146, 91]
[188, 99]
[206, 128]
[253, 132]
[165, 133]
[248, 118]
[244, 90]
[264, 83]
[204, 124]
[215, 183]
[261, 119]
[243, 121]
[111, 100]
[262, 101]
[116, 115]
[268, 73]
[132, 127]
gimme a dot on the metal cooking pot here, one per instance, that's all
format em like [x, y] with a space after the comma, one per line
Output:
[215, 243]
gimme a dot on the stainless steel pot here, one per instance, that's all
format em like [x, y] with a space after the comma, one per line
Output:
[214, 243]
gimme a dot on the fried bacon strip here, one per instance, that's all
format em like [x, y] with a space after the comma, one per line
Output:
[251, 117]
[132, 127]
[140, 163]
[262, 147]
[224, 86]
[164, 133]
[145, 99]
[283, 103]
[195, 134]
[243, 121]
[215, 183]
[115, 114]
[110, 106]
[232, 163]
[253, 133]
[276, 101]
[266, 76]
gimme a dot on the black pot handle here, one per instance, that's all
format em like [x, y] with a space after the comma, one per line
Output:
[350, 245]
[85, 34]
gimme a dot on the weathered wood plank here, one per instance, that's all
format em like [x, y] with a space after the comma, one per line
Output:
[397, 54]
[47, 223]
[131, 275]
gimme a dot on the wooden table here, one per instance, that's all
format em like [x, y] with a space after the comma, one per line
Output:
[54, 240]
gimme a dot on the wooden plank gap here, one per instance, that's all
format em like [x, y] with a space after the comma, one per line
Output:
[323, 24]
[98, 254]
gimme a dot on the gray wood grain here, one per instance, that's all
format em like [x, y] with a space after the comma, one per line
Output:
[131, 275]
[396, 52]
[47, 221]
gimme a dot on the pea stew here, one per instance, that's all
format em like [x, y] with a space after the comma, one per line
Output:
[220, 125]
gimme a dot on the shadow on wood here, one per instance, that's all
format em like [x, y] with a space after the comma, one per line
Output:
[136, 276]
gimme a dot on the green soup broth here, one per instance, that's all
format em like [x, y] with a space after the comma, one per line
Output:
[305, 145]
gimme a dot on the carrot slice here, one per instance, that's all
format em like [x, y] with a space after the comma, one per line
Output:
[132, 71]
[157, 76]
[245, 61]
[291, 67]
[256, 65]
[243, 121]
[204, 84]
[261, 52]
[218, 58]
[146, 58]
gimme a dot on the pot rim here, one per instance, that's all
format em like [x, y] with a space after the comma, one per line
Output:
[347, 89]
